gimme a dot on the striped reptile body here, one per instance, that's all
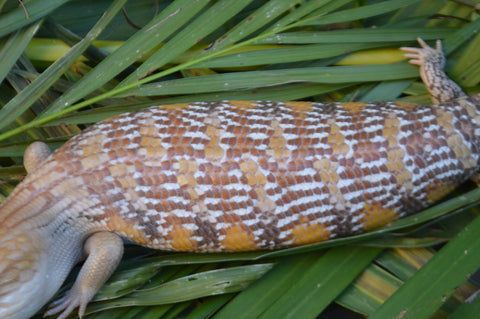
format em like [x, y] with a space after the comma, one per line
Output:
[228, 176]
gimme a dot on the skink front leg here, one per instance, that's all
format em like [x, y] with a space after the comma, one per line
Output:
[431, 61]
[442, 89]
[104, 251]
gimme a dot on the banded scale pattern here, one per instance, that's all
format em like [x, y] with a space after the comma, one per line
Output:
[236, 175]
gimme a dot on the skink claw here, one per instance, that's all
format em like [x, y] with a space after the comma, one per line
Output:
[418, 56]
[69, 302]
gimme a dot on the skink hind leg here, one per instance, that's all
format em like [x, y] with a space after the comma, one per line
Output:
[35, 154]
[431, 61]
[104, 252]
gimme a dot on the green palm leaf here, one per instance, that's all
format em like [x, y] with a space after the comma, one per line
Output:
[277, 50]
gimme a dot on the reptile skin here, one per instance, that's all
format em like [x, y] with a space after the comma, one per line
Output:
[228, 176]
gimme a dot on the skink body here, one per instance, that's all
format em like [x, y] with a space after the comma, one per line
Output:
[228, 176]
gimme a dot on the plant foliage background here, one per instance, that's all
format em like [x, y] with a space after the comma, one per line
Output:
[158, 52]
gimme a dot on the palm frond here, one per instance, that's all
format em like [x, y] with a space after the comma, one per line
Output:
[205, 50]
